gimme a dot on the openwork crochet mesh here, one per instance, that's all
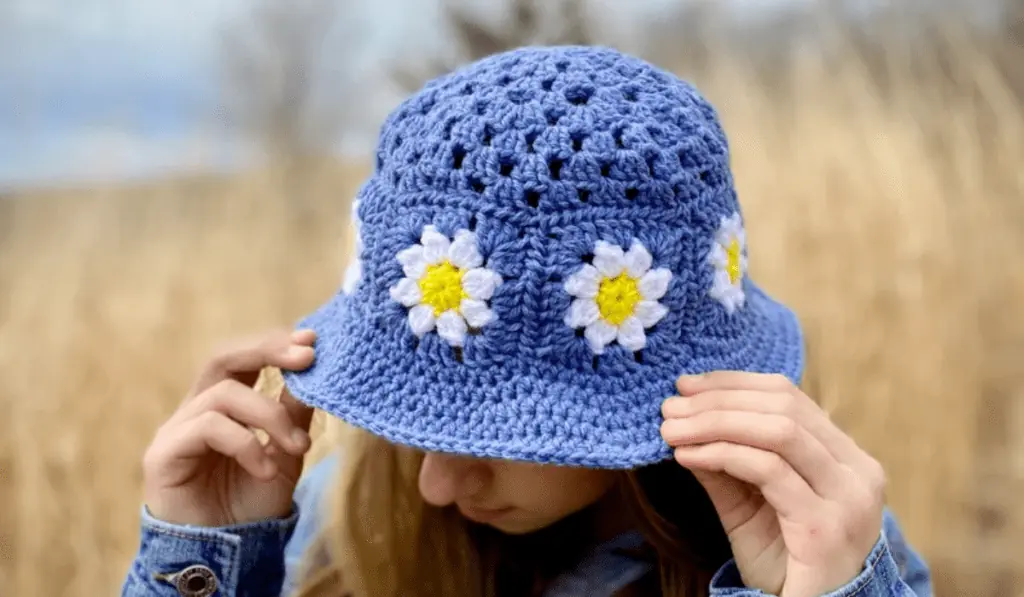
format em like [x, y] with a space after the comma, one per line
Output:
[550, 237]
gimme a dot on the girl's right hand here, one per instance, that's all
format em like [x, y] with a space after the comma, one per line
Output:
[206, 466]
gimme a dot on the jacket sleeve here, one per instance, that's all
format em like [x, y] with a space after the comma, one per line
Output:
[247, 560]
[892, 569]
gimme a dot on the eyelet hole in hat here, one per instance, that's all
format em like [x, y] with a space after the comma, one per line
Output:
[477, 185]
[458, 154]
[472, 224]
[638, 356]
[546, 84]
[594, 362]
[506, 168]
[632, 193]
[555, 168]
[578, 95]
[532, 198]
[577, 141]
[587, 258]
[583, 194]
[530, 139]
[487, 135]
[617, 135]
[467, 89]
[561, 66]
[606, 169]
[504, 80]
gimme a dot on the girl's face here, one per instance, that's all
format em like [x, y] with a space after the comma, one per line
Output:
[513, 497]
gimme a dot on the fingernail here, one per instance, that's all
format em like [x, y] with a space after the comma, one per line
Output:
[302, 335]
[298, 352]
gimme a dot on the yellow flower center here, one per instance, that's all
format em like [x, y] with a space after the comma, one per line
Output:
[734, 264]
[441, 287]
[617, 298]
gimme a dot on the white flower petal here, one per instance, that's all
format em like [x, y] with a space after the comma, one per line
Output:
[732, 299]
[600, 334]
[609, 259]
[463, 252]
[631, 334]
[480, 283]
[421, 319]
[718, 257]
[452, 327]
[435, 245]
[353, 273]
[721, 284]
[649, 313]
[638, 260]
[584, 283]
[414, 262]
[477, 313]
[654, 284]
[582, 312]
[407, 292]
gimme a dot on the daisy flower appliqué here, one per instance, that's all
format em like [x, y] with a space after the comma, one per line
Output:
[728, 257]
[446, 288]
[616, 297]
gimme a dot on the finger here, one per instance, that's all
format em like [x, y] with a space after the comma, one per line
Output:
[250, 408]
[789, 401]
[689, 385]
[736, 502]
[300, 414]
[771, 432]
[243, 360]
[786, 491]
[215, 431]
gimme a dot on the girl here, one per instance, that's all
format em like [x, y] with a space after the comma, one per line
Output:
[560, 378]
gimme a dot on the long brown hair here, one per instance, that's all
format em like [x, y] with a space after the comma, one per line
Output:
[382, 540]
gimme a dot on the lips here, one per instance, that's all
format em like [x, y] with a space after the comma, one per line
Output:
[483, 515]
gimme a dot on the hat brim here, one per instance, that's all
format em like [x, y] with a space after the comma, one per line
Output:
[367, 375]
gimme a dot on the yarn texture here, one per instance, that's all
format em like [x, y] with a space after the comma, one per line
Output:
[549, 239]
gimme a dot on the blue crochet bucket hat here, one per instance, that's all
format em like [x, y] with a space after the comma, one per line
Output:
[549, 239]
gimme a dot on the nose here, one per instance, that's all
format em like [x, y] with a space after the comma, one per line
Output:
[444, 478]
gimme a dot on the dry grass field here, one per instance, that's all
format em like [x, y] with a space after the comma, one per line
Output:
[893, 224]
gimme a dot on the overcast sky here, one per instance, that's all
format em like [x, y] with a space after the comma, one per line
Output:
[121, 88]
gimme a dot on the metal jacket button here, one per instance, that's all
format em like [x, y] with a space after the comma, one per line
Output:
[196, 581]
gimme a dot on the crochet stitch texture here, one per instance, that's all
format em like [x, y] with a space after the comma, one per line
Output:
[503, 308]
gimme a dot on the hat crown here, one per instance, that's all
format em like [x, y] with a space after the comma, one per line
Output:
[544, 130]
[593, 188]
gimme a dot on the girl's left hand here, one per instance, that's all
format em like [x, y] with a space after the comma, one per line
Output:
[801, 502]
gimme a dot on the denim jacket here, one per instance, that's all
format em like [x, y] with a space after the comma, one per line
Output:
[262, 559]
